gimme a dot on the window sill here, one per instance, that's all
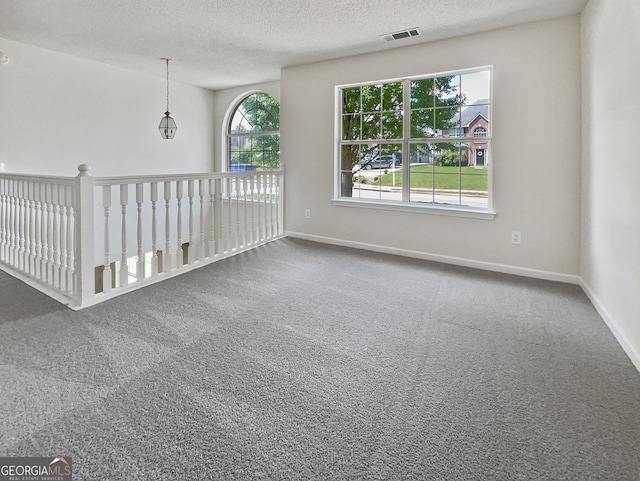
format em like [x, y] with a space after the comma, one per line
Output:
[447, 210]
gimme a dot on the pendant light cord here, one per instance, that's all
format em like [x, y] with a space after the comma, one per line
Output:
[167, 60]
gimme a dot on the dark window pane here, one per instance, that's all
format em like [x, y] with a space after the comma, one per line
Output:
[392, 125]
[422, 123]
[351, 100]
[371, 126]
[422, 94]
[351, 127]
[392, 96]
[371, 98]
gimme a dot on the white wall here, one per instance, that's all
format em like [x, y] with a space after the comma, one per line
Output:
[610, 264]
[225, 100]
[536, 150]
[58, 111]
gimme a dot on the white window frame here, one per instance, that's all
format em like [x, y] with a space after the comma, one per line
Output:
[405, 205]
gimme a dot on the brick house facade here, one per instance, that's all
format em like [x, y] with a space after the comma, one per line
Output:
[474, 122]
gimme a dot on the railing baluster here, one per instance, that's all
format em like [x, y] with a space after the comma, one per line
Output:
[223, 209]
[21, 225]
[62, 273]
[16, 256]
[38, 225]
[245, 216]
[236, 223]
[71, 229]
[13, 224]
[229, 214]
[7, 221]
[201, 253]
[280, 206]
[50, 215]
[55, 197]
[18, 215]
[140, 262]
[24, 226]
[267, 207]
[272, 217]
[29, 212]
[261, 212]
[213, 216]
[190, 250]
[124, 267]
[223, 218]
[4, 219]
[32, 229]
[273, 204]
[65, 232]
[154, 230]
[27, 227]
[179, 253]
[106, 272]
[166, 257]
[255, 219]
[32, 233]
[3, 227]
[16, 222]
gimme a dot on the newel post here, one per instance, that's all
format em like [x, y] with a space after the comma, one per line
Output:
[85, 276]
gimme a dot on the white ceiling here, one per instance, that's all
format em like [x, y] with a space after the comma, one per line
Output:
[218, 44]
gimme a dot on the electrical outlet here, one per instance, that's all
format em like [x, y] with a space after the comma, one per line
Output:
[516, 237]
[307, 213]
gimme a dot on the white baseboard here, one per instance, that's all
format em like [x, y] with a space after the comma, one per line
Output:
[458, 261]
[633, 354]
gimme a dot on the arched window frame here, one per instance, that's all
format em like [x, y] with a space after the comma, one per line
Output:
[227, 134]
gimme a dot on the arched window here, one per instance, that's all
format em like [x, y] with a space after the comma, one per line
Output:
[480, 132]
[253, 134]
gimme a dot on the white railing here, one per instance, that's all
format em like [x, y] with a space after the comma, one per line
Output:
[84, 239]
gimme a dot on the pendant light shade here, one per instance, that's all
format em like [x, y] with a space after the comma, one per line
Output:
[167, 125]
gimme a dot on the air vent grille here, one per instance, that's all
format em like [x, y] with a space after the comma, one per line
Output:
[390, 37]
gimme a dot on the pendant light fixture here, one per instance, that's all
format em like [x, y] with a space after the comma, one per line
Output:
[167, 125]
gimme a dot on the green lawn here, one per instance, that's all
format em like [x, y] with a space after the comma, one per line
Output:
[423, 176]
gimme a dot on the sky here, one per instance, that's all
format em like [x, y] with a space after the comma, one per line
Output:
[476, 86]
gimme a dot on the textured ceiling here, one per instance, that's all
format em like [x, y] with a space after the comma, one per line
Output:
[219, 44]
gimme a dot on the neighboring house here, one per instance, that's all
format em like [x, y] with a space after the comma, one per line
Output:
[474, 122]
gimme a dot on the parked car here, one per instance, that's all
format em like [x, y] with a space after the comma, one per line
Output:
[379, 162]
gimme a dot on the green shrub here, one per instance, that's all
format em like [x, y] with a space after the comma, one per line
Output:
[451, 159]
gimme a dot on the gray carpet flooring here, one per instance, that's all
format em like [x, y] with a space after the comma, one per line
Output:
[302, 361]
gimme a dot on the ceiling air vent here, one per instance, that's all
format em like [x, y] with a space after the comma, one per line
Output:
[412, 32]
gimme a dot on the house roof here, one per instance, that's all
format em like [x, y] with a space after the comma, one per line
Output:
[218, 43]
[470, 113]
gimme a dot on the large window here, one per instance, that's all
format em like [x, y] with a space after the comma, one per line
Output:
[416, 141]
[254, 134]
